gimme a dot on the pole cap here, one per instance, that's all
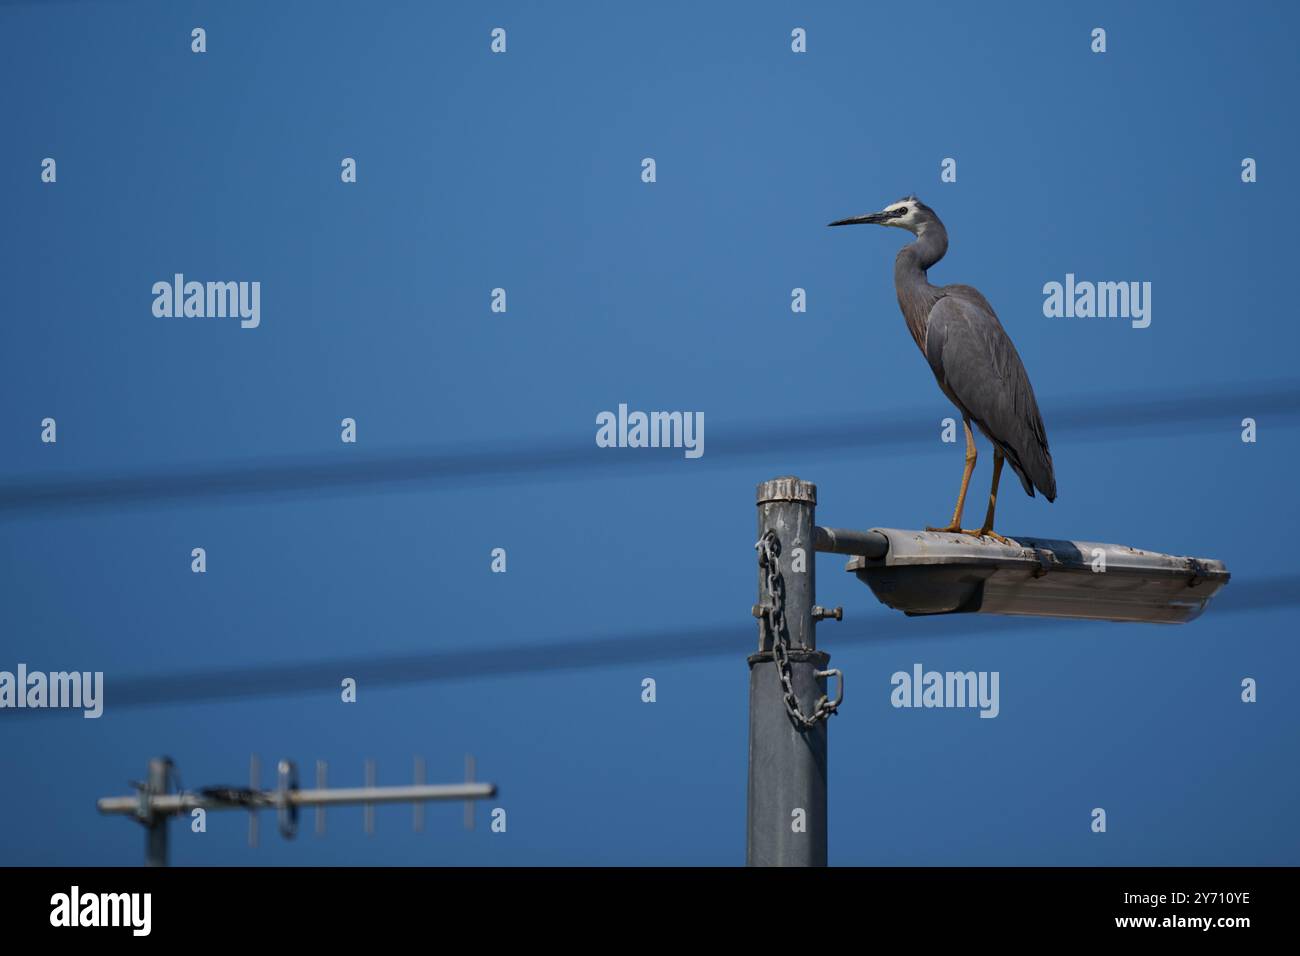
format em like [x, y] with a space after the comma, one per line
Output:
[787, 488]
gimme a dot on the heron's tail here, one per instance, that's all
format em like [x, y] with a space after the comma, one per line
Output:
[1045, 476]
[1034, 467]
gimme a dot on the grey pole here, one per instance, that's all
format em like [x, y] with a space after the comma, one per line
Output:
[174, 803]
[787, 763]
[153, 806]
[154, 821]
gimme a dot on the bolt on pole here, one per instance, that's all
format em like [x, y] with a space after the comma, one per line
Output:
[786, 819]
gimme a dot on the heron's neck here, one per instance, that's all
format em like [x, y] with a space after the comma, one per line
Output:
[917, 256]
[915, 294]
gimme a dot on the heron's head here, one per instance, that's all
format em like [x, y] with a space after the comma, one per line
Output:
[907, 213]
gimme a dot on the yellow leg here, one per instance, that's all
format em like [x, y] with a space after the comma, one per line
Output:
[965, 481]
[986, 530]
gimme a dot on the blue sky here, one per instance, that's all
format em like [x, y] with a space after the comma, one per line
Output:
[523, 171]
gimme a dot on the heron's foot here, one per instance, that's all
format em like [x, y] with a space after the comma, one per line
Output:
[954, 528]
[987, 533]
[974, 533]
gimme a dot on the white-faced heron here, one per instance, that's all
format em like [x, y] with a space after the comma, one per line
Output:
[972, 358]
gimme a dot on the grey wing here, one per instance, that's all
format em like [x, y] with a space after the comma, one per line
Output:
[978, 367]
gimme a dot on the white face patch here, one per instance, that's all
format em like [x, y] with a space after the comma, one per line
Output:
[903, 221]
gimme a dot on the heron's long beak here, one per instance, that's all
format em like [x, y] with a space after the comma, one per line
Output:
[872, 217]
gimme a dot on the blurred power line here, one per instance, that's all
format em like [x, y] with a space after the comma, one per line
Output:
[1082, 415]
[298, 677]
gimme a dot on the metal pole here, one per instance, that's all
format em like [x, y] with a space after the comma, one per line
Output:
[787, 764]
[369, 812]
[174, 803]
[320, 785]
[156, 822]
[417, 809]
[469, 804]
[152, 805]
[868, 544]
[254, 783]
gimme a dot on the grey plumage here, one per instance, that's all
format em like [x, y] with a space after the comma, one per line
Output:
[971, 355]
[979, 370]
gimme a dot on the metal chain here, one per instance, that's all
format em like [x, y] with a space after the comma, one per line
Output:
[769, 549]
